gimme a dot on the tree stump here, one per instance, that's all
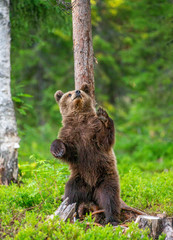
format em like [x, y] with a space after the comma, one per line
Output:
[156, 226]
[64, 211]
[168, 228]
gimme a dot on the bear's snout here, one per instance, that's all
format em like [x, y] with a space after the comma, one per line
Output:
[77, 94]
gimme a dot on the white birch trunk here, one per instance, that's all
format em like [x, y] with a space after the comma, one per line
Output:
[82, 44]
[9, 141]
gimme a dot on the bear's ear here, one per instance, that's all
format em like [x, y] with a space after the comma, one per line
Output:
[58, 95]
[86, 88]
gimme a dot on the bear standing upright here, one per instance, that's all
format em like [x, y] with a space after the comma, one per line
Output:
[85, 142]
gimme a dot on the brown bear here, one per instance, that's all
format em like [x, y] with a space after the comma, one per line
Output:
[85, 142]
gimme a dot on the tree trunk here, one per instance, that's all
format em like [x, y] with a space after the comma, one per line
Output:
[9, 141]
[82, 44]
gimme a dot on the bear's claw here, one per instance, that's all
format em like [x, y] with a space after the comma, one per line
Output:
[102, 114]
[59, 154]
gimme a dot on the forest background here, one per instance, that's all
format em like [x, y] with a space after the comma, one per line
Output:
[133, 45]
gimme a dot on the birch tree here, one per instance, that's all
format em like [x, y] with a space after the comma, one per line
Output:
[9, 141]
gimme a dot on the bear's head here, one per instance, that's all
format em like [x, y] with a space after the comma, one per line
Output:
[75, 102]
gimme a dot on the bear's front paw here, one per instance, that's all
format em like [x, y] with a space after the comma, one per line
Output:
[57, 148]
[102, 115]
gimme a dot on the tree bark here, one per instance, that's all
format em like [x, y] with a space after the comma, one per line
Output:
[168, 228]
[64, 211]
[82, 44]
[9, 141]
[156, 226]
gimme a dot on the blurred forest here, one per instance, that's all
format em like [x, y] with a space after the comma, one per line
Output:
[133, 46]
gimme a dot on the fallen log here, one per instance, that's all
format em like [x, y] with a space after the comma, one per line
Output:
[124, 206]
[128, 213]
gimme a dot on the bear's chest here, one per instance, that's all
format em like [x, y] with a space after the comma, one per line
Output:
[81, 131]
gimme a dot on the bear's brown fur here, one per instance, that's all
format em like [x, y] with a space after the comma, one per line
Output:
[85, 142]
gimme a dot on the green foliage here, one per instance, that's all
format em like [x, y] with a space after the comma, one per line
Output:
[39, 30]
[150, 192]
[21, 105]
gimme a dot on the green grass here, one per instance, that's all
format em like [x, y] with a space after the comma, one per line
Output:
[145, 184]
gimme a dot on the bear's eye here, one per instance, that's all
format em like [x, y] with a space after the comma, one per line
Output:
[69, 95]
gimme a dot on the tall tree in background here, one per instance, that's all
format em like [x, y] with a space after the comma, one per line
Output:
[8, 129]
[82, 44]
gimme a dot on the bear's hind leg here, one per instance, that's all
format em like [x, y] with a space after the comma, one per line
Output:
[107, 196]
[77, 191]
